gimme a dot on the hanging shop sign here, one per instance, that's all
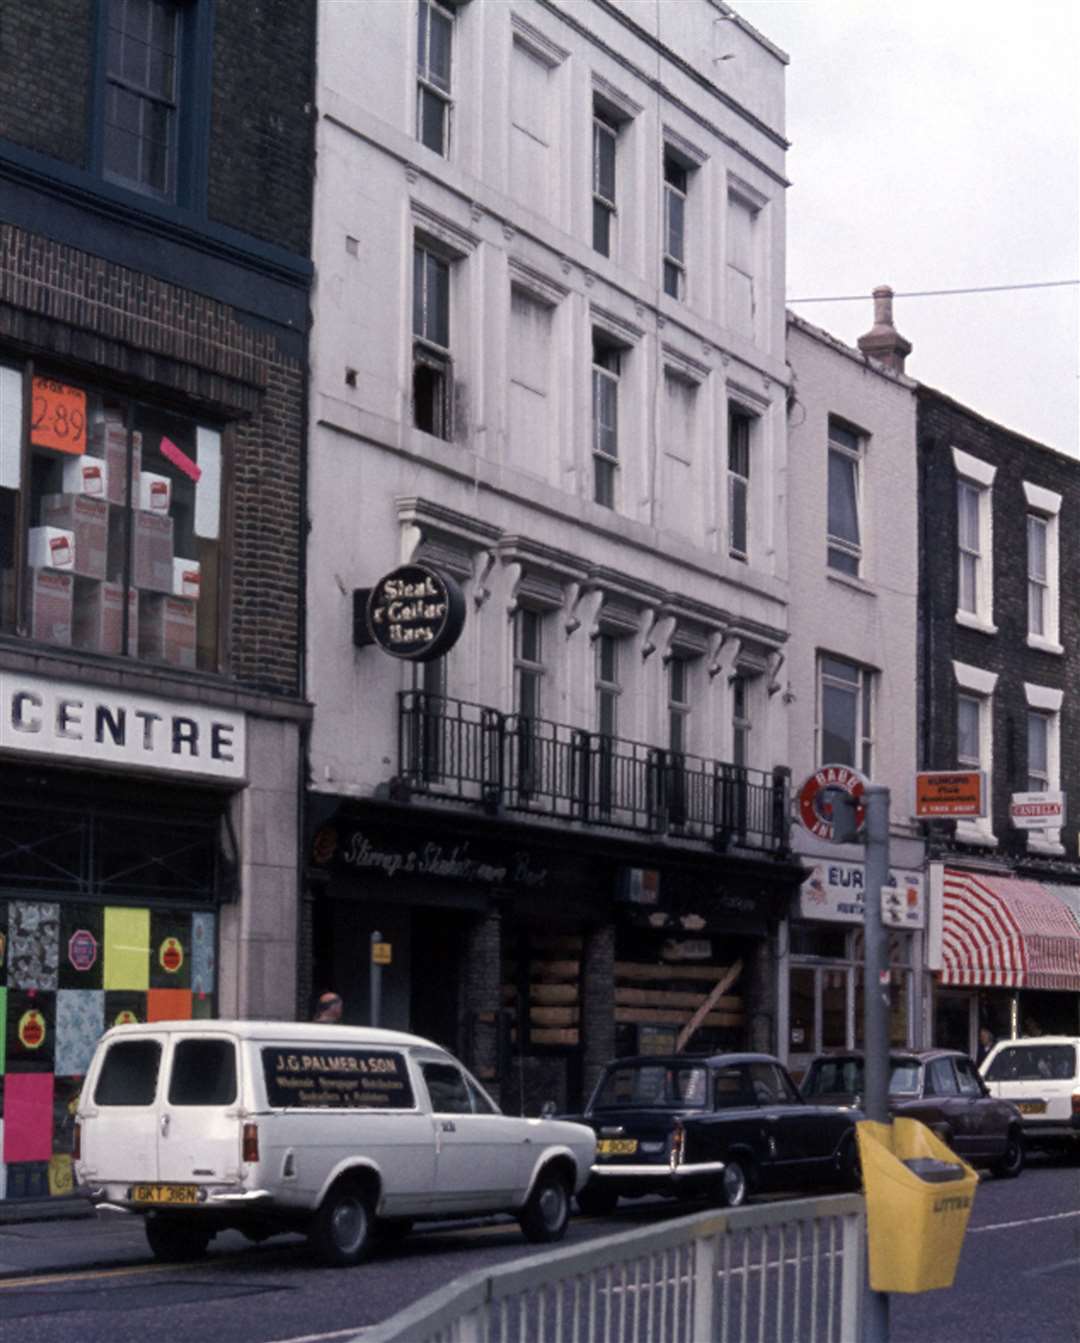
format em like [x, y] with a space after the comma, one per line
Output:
[817, 794]
[835, 893]
[416, 613]
[940, 794]
[1037, 811]
[92, 725]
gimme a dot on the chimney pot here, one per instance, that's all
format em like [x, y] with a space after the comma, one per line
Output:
[883, 342]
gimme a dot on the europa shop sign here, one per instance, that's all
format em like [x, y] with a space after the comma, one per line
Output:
[942, 794]
[415, 612]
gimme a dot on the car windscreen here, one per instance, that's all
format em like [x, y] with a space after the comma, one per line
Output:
[652, 1085]
[129, 1073]
[1033, 1063]
[203, 1073]
[345, 1079]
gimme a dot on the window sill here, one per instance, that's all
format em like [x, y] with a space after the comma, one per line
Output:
[852, 581]
[1044, 645]
[971, 622]
[976, 833]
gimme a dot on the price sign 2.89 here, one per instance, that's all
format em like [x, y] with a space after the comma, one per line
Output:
[58, 417]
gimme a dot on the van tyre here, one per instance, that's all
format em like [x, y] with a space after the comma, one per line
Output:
[172, 1239]
[1009, 1166]
[343, 1229]
[545, 1216]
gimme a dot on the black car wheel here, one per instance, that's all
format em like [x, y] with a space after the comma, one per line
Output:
[735, 1183]
[342, 1231]
[173, 1239]
[545, 1215]
[1012, 1162]
[595, 1202]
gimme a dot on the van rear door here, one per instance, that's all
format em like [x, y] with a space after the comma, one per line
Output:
[199, 1129]
[120, 1117]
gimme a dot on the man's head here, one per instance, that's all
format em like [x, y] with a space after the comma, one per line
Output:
[329, 1008]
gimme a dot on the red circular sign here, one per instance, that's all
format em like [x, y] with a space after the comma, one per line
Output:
[82, 949]
[171, 955]
[817, 793]
[32, 1029]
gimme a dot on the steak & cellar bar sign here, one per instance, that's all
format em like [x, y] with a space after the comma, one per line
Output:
[416, 613]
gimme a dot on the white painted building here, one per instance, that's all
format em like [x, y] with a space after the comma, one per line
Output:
[548, 362]
[851, 673]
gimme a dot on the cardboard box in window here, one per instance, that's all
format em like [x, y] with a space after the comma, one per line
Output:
[97, 621]
[155, 493]
[167, 630]
[51, 548]
[152, 552]
[50, 606]
[108, 441]
[187, 578]
[87, 475]
[89, 520]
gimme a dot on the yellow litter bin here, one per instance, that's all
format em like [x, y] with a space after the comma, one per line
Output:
[918, 1200]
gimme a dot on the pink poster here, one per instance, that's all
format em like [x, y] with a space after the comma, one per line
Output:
[28, 1116]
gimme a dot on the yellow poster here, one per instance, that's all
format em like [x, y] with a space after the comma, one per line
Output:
[61, 1178]
[127, 948]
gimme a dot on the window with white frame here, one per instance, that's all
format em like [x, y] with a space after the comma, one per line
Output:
[608, 688]
[1038, 751]
[606, 370]
[740, 720]
[974, 571]
[605, 144]
[528, 662]
[679, 691]
[676, 186]
[529, 444]
[434, 44]
[975, 740]
[1044, 507]
[432, 366]
[845, 714]
[844, 512]
[741, 258]
[1044, 755]
[532, 179]
[740, 425]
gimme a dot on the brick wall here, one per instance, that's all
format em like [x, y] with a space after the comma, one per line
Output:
[943, 425]
[45, 54]
[145, 337]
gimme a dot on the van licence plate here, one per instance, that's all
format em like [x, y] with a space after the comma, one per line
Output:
[164, 1193]
[1031, 1107]
[616, 1147]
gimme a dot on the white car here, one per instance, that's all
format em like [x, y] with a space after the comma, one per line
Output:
[341, 1132]
[1041, 1076]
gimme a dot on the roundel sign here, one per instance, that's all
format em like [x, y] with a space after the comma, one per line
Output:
[32, 1029]
[416, 613]
[817, 794]
[82, 949]
[171, 955]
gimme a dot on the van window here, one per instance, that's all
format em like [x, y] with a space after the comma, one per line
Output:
[203, 1073]
[129, 1074]
[1032, 1063]
[342, 1079]
[447, 1089]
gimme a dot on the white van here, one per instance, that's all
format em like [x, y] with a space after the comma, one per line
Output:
[341, 1132]
[1041, 1076]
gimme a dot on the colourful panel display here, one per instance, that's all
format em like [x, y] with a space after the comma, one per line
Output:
[80, 1020]
[127, 948]
[3, 1031]
[123, 1006]
[66, 1092]
[168, 1005]
[30, 1031]
[170, 950]
[202, 954]
[82, 947]
[28, 1117]
[33, 945]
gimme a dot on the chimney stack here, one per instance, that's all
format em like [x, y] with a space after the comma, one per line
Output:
[883, 342]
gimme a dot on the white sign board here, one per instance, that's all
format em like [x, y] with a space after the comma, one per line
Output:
[1037, 811]
[93, 725]
[833, 893]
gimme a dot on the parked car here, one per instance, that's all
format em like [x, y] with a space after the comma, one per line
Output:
[336, 1131]
[1041, 1076]
[720, 1127]
[939, 1087]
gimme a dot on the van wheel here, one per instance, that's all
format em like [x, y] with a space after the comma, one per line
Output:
[546, 1214]
[172, 1239]
[1009, 1166]
[342, 1230]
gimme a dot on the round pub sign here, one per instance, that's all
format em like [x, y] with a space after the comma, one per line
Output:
[817, 794]
[416, 613]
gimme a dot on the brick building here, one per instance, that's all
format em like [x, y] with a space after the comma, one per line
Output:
[999, 639]
[154, 280]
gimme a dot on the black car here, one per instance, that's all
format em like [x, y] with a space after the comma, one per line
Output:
[942, 1089]
[720, 1127]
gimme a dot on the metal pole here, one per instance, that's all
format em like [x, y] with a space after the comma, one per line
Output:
[876, 1007]
[376, 980]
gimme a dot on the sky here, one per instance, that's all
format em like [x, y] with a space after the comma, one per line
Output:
[936, 145]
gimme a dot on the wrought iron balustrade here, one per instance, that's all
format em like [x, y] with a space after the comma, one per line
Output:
[470, 752]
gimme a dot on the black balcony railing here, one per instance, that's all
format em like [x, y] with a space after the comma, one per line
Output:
[469, 752]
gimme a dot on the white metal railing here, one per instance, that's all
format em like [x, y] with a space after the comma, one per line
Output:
[782, 1271]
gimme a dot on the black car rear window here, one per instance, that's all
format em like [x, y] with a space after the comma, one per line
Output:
[1033, 1063]
[652, 1085]
[833, 1077]
[342, 1079]
[203, 1073]
[129, 1073]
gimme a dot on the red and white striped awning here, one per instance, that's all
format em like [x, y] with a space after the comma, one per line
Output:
[1005, 933]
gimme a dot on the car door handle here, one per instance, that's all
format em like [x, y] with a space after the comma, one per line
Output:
[164, 1126]
[448, 1126]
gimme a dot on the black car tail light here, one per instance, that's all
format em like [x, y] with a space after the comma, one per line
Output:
[678, 1143]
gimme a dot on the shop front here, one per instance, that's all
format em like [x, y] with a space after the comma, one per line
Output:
[537, 954]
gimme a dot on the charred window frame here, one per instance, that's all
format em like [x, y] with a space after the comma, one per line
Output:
[740, 427]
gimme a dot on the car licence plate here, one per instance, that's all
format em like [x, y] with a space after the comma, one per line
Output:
[616, 1146]
[1031, 1107]
[164, 1193]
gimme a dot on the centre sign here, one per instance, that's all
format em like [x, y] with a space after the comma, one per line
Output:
[416, 612]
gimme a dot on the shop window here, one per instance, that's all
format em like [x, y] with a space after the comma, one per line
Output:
[114, 513]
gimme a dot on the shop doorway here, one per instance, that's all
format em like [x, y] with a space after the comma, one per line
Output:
[436, 1007]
